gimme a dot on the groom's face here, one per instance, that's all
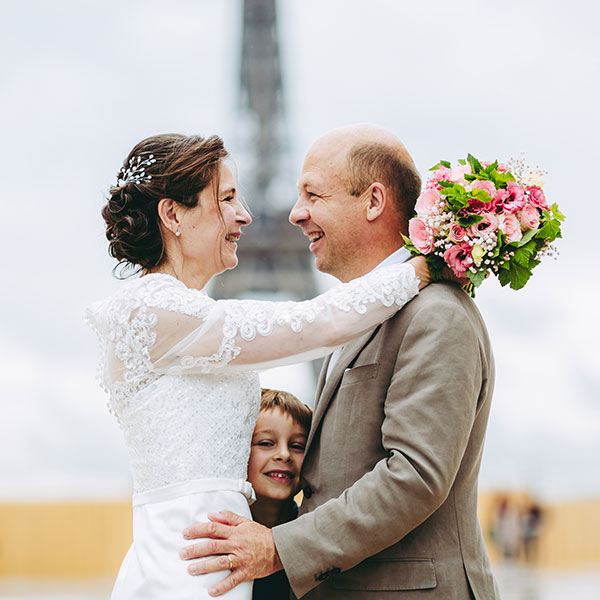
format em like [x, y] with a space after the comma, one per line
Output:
[329, 216]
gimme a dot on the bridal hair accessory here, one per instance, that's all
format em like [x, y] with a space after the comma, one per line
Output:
[481, 218]
[136, 171]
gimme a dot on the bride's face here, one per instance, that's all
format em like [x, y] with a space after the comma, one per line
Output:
[210, 230]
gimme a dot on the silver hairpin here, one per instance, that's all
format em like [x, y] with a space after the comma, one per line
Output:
[136, 171]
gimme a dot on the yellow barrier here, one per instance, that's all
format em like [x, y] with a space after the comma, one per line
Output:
[81, 540]
[63, 540]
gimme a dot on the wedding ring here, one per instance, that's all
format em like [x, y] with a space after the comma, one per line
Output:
[230, 562]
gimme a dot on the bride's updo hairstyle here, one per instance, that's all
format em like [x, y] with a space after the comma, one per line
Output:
[162, 166]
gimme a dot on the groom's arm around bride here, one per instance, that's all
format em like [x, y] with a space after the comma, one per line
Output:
[393, 455]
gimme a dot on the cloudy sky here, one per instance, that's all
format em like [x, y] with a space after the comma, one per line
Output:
[81, 82]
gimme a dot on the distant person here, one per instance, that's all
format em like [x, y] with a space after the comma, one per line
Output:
[532, 522]
[507, 528]
[276, 454]
[180, 366]
[393, 455]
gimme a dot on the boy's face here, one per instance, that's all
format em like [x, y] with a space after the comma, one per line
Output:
[276, 455]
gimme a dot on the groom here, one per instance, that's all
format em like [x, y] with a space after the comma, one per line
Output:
[392, 459]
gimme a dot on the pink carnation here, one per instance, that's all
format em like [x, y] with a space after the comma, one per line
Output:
[510, 226]
[537, 197]
[457, 233]
[477, 207]
[426, 202]
[459, 259]
[456, 175]
[420, 237]
[516, 198]
[529, 217]
[440, 174]
[500, 197]
[489, 223]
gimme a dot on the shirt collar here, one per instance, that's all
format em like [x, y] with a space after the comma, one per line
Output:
[399, 256]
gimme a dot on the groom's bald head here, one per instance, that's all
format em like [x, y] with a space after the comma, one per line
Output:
[367, 153]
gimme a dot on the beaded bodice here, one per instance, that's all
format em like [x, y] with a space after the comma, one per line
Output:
[180, 366]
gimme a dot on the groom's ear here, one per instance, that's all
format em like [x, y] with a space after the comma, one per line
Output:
[376, 201]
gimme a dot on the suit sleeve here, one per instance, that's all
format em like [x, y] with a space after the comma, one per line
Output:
[429, 412]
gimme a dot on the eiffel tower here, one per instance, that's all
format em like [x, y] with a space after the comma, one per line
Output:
[274, 261]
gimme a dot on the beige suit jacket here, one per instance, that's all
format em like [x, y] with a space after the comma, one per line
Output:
[392, 461]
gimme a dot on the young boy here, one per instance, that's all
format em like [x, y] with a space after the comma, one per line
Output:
[276, 454]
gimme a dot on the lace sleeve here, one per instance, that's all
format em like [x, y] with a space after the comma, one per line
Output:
[235, 335]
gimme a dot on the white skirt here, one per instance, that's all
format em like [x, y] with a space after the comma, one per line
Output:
[152, 569]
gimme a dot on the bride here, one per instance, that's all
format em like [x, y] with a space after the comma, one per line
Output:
[180, 367]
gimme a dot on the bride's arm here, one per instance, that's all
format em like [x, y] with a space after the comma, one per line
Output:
[236, 335]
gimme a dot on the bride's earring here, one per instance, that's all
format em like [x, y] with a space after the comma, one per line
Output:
[178, 232]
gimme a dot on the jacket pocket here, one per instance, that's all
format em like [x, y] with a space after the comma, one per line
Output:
[361, 373]
[388, 574]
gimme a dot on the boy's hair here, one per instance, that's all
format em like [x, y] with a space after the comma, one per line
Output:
[289, 404]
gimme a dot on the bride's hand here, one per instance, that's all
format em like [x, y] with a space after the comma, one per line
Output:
[448, 275]
[422, 270]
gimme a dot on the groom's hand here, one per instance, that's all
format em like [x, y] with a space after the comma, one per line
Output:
[236, 542]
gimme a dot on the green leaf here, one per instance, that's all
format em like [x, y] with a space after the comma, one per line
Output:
[475, 164]
[469, 220]
[491, 167]
[448, 185]
[516, 275]
[481, 195]
[501, 179]
[526, 254]
[477, 277]
[442, 163]
[436, 266]
[556, 213]
[408, 244]
[496, 250]
[462, 161]
[550, 230]
[526, 237]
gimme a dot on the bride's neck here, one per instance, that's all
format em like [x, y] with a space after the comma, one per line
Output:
[192, 278]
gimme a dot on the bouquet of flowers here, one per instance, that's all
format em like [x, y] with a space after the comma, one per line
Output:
[480, 218]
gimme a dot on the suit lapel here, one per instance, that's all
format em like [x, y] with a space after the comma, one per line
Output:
[327, 386]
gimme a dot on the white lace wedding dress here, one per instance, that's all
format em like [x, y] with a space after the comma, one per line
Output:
[180, 368]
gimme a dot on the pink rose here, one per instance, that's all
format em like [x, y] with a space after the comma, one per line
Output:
[420, 237]
[458, 173]
[459, 259]
[426, 202]
[516, 198]
[510, 226]
[489, 223]
[536, 197]
[485, 185]
[457, 233]
[529, 217]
